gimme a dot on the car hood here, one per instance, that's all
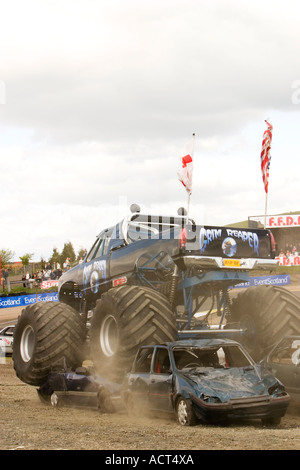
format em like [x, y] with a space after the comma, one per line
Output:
[227, 384]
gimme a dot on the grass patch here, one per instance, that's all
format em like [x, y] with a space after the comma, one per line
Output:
[288, 270]
[20, 290]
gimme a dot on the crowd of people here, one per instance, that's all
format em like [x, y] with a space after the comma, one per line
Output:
[49, 272]
[290, 250]
[290, 255]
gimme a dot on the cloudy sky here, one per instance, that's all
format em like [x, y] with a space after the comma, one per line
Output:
[99, 97]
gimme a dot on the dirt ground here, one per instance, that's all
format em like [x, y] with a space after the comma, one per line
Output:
[28, 424]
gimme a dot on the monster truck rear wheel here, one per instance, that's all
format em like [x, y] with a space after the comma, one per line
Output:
[266, 314]
[47, 335]
[124, 319]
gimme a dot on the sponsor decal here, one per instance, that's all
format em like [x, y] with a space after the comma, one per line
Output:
[48, 284]
[280, 280]
[119, 281]
[24, 300]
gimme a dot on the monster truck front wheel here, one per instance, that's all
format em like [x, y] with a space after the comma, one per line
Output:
[47, 335]
[124, 319]
[265, 314]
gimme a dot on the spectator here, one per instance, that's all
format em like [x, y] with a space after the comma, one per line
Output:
[5, 276]
[58, 271]
[66, 264]
[53, 275]
[47, 274]
[26, 277]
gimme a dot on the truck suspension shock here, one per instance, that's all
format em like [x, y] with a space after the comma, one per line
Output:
[173, 287]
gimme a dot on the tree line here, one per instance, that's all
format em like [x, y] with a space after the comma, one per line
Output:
[57, 257]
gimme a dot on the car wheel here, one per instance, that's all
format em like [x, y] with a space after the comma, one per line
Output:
[54, 400]
[184, 412]
[271, 421]
[105, 404]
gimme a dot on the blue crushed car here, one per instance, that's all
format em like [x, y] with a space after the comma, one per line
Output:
[81, 388]
[209, 380]
[283, 361]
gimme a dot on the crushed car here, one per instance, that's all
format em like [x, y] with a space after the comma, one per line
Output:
[81, 388]
[210, 380]
[283, 361]
[6, 340]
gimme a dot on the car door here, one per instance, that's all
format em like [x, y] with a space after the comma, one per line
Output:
[138, 379]
[160, 383]
[284, 363]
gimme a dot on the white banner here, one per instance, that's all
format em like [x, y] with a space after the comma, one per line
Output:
[289, 260]
[277, 221]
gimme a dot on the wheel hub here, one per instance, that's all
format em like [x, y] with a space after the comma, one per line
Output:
[27, 343]
[109, 336]
[182, 412]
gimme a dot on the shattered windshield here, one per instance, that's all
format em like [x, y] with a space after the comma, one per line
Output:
[216, 357]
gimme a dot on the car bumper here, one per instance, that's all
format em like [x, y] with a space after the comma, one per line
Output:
[242, 408]
[5, 350]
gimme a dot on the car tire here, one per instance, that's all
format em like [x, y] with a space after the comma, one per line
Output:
[54, 400]
[185, 414]
[265, 314]
[47, 335]
[104, 401]
[271, 421]
[124, 319]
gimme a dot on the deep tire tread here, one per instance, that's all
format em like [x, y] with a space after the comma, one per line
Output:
[275, 312]
[143, 317]
[59, 337]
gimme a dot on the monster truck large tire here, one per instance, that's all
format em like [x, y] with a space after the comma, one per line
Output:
[266, 314]
[124, 319]
[47, 335]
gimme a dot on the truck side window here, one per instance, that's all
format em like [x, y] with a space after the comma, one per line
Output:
[92, 250]
[99, 249]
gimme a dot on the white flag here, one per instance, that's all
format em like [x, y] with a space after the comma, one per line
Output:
[185, 174]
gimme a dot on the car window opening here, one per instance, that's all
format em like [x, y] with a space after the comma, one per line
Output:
[220, 357]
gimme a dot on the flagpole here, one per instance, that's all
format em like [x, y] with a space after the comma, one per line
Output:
[266, 203]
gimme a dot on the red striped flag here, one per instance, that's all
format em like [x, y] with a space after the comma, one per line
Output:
[265, 157]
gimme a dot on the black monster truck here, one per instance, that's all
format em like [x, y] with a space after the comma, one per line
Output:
[151, 279]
